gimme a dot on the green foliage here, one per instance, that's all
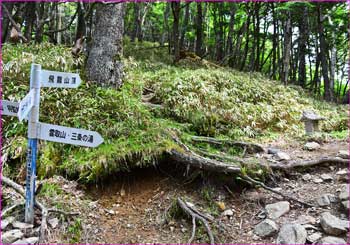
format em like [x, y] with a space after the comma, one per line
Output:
[74, 231]
[198, 98]
[50, 190]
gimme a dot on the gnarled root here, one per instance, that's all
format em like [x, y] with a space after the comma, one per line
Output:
[196, 215]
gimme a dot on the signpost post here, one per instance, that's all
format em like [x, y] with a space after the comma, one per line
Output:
[28, 108]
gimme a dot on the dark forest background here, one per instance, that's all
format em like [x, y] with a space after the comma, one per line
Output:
[300, 43]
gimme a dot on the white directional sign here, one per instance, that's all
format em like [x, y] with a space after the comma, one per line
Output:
[57, 79]
[9, 108]
[25, 105]
[66, 135]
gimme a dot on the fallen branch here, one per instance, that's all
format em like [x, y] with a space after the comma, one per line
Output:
[9, 209]
[250, 147]
[188, 210]
[44, 211]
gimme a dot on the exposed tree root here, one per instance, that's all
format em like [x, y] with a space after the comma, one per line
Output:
[44, 210]
[250, 147]
[253, 181]
[196, 215]
[310, 163]
[9, 209]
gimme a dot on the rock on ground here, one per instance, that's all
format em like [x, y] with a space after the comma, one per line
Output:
[346, 205]
[21, 225]
[311, 146]
[6, 222]
[11, 236]
[331, 240]
[323, 201]
[344, 154]
[344, 195]
[333, 225]
[307, 177]
[30, 240]
[326, 177]
[276, 210]
[292, 234]
[314, 237]
[282, 156]
[266, 228]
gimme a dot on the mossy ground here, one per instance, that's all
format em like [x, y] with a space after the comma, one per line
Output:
[197, 97]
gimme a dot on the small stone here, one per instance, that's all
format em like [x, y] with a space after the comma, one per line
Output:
[272, 151]
[221, 206]
[345, 205]
[314, 237]
[292, 234]
[317, 180]
[22, 226]
[183, 230]
[30, 240]
[305, 219]
[281, 156]
[342, 172]
[266, 228]
[333, 225]
[307, 177]
[344, 195]
[172, 228]
[311, 146]
[277, 209]
[11, 236]
[331, 240]
[327, 177]
[122, 192]
[228, 212]
[6, 222]
[323, 201]
[53, 222]
[110, 211]
[343, 154]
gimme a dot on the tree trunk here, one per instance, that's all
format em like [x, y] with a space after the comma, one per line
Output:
[328, 94]
[104, 64]
[287, 48]
[274, 42]
[184, 26]
[175, 6]
[303, 31]
[81, 25]
[199, 30]
[229, 43]
[246, 29]
[218, 15]
[6, 21]
[29, 19]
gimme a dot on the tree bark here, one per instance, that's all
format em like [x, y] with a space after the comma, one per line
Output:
[287, 48]
[229, 42]
[328, 94]
[199, 30]
[184, 26]
[175, 6]
[104, 64]
[29, 19]
[303, 31]
[6, 20]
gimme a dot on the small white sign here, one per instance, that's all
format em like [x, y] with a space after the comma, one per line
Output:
[9, 108]
[66, 135]
[25, 105]
[55, 79]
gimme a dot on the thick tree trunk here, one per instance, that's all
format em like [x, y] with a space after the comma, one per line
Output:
[303, 31]
[175, 6]
[29, 19]
[104, 64]
[184, 26]
[229, 43]
[287, 48]
[81, 25]
[199, 30]
[274, 43]
[218, 15]
[5, 21]
[328, 94]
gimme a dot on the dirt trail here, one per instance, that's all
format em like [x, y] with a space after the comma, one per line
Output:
[130, 207]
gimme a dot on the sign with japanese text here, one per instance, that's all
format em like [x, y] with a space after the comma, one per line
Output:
[56, 79]
[66, 135]
[9, 108]
[25, 105]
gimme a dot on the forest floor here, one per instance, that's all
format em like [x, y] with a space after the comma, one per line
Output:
[130, 207]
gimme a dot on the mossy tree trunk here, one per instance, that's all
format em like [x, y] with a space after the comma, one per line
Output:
[104, 64]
